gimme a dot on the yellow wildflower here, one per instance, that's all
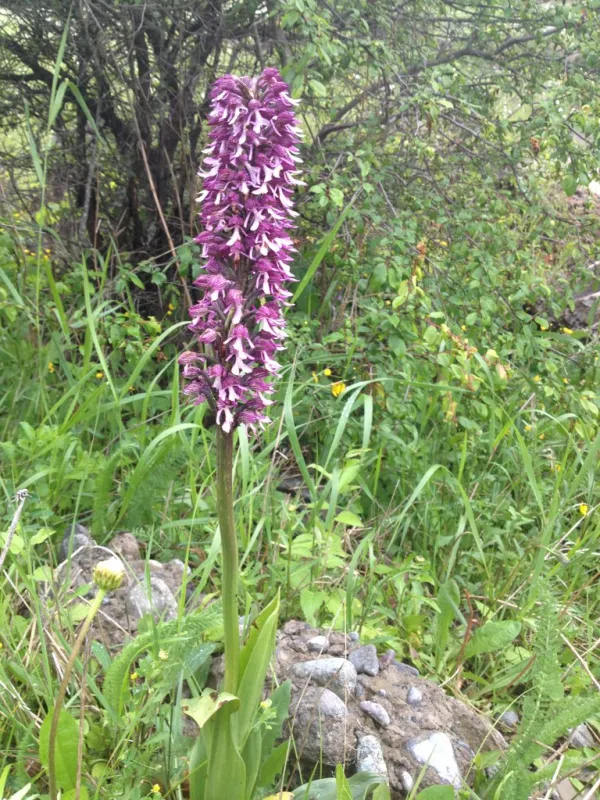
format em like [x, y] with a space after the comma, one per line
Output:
[527, 428]
[327, 372]
[51, 367]
[132, 389]
[134, 676]
[568, 331]
[583, 509]
[99, 375]
[463, 327]
[388, 302]
[156, 789]
[556, 467]
[542, 436]
[315, 377]
[171, 307]
[537, 379]
[543, 327]
[565, 380]
[443, 244]
[266, 703]
[337, 388]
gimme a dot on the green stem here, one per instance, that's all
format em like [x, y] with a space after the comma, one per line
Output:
[62, 689]
[229, 547]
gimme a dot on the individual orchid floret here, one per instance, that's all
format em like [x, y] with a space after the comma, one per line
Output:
[247, 208]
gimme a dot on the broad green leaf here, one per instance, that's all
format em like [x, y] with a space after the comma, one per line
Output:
[251, 756]
[65, 748]
[348, 518]
[254, 664]
[202, 708]
[436, 793]
[310, 603]
[273, 764]
[492, 636]
[317, 88]
[341, 784]
[226, 776]
[72, 794]
[41, 535]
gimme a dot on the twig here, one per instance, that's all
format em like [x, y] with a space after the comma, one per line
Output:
[581, 661]
[20, 498]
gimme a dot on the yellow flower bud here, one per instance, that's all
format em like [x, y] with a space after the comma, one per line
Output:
[327, 372]
[109, 574]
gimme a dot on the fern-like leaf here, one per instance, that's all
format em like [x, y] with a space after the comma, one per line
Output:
[178, 634]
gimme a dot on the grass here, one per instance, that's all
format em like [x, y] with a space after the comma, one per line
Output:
[430, 532]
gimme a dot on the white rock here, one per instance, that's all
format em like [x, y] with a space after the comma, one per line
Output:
[406, 779]
[414, 696]
[369, 756]
[437, 752]
[318, 644]
[376, 712]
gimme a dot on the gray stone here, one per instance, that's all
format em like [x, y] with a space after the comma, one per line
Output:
[410, 670]
[386, 659]
[75, 537]
[581, 737]
[438, 753]
[330, 705]
[320, 727]
[126, 545]
[376, 712]
[354, 637]
[414, 696]
[318, 644]
[359, 691]
[407, 780]
[336, 674]
[365, 660]
[369, 756]
[509, 719]
[159, 601]
[382, 693]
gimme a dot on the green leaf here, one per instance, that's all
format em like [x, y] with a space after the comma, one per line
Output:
[348, 518]
[492, 636]
[569, 185]
[341, 784]
[273, 764]
[318, 88]
[72, 794]
[254, 662]
[382, 792]
[41, 535]
[337, 196]
[448, 600]
[226, 776]
[65, 748]
[310, 603]
[202, 708]
[436, 793]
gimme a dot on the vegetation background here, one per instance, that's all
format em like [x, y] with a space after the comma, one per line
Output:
[431, 473]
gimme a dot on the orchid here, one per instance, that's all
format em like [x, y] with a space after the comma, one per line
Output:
[251, 169]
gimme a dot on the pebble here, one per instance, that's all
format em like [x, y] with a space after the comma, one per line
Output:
[330, 705]
[386, 659]
[581, 737]
[336, 674]
[365, 660]
[382, 693]
[407, 781]
[414, 696]
[376, 712]
[510, 718]
[407, 668]
[354, 637]
[318, 644]
[437, 752]
[369, 756]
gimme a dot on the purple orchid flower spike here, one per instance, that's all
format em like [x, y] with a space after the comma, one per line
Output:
[247, 209]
